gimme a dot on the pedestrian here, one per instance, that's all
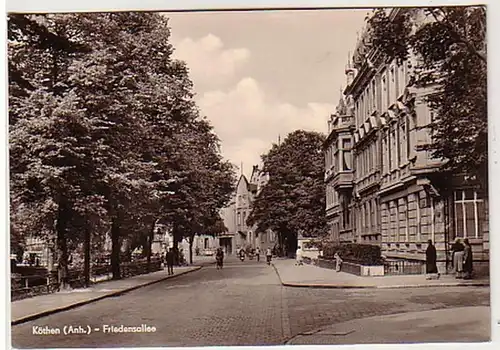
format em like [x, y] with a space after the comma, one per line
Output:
[430, 261]
[298, 256]
[269, 255]
[257, 251]
[219, 257]
[170, 261]
[457, 257]
[468, 260]
[338, 262]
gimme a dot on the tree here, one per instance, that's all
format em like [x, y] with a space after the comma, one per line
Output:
[205, 187]
[293, 201]
[47, 143]
[451, 47]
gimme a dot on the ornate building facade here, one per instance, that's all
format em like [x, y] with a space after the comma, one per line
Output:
[379, 170]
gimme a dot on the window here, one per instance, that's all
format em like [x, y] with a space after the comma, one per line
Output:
[384, 93]
[368, 216]
[419, 237]
[407, 136]
[392, 85]
[394, 150]
[206, 243]
[397, 221]
[385, 155]
[389, 152]
[345, 153]
[239, 218]
[469, 211]
[374, 96]
[403, 134]
[406, 219]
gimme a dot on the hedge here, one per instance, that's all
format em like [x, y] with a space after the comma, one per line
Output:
[363, 254]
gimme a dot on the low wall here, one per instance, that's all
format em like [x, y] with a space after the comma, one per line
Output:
[352, 268]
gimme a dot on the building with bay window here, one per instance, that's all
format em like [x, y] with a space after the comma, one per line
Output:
[395, 191]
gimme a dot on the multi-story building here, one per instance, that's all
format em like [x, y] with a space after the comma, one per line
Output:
[394, 189]
[235, 215]
[339, 174]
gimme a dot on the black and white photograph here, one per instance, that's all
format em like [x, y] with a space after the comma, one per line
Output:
[248, 177]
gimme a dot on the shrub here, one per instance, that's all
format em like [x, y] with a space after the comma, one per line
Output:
[364, 254]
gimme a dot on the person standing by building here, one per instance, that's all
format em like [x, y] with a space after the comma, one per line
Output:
[431, 261]
[458, 257]
[338, 262]
[298, 256]
[467, 260]
[170, 261]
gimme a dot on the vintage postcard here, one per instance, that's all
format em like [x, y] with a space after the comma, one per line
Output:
[249, 177]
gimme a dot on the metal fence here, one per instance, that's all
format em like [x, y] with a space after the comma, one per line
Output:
[403, 267]
[45, 282]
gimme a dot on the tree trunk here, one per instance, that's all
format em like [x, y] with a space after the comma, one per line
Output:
[191, 241]
[149, 244]
[115, 249]
[62, 248]
[86, 258]
[177, 237]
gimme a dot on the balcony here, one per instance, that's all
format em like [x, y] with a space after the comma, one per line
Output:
[343, 180]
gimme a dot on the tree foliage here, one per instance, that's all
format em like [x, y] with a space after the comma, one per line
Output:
[293, 201]
[104, 132]
[450, 44]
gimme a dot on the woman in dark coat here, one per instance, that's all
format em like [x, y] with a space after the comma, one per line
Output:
[467, 259]
[457, 258]
[430, 260]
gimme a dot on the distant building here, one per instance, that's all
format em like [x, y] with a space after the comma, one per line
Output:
[383, 186]
[239, 234]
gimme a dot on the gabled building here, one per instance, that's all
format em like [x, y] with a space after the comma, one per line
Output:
[235, 215]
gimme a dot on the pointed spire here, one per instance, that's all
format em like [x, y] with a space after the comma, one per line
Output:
[279, 139]
[241, 168]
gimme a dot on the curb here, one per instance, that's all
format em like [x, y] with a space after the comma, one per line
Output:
[402, 286]
[88, 301]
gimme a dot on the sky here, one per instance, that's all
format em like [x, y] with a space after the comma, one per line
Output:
[260, 75]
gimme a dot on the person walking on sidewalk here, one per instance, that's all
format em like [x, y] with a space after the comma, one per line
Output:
[257, 252]
[298, 256]
[430, 261]
[458, 257]
[467, 260]
[170, 261]
[219, 257]
[269, 255]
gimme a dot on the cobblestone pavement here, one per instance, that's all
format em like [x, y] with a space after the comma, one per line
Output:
[243, 304]
[239, 305]
[311, 309]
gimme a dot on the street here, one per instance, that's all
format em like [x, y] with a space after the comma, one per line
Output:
[243, 304]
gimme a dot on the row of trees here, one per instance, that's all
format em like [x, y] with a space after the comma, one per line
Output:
[105, 136]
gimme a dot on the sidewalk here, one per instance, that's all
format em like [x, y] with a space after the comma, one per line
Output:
[43, 305]
[464, 324]
[316, 277]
